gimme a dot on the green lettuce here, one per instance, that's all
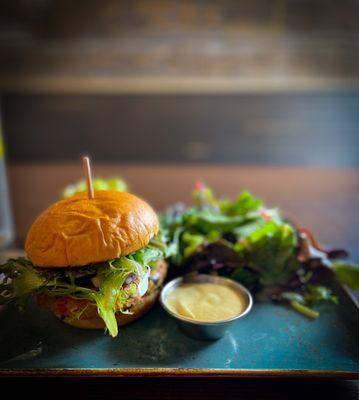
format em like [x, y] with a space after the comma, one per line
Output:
[347, 273]
[111, 294]
[271, 251]
[117, 184]
[188, 229]
[264, 242]
[243, 205]
[253, 244]
[313, 295]
[19, 279]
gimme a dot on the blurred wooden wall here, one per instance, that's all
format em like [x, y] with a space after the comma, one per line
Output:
[317, 129]
[230, 81]
[172, 45]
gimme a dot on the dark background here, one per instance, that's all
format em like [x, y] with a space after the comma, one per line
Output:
[239, 82]
[316, 129]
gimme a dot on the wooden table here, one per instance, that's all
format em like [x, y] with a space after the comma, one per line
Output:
[181, 388]
[325, 200]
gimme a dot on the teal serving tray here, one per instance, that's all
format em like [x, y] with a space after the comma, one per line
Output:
[271, 341]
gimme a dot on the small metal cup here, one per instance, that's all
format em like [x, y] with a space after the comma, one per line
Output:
[205, 330]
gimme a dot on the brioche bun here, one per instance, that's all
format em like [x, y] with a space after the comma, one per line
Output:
[78, 231]
[89, 318]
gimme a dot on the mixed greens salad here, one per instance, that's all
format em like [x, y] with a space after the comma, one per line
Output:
[256, 246]
[110, 285]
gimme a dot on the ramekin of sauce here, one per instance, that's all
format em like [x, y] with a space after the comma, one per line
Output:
[205, 306]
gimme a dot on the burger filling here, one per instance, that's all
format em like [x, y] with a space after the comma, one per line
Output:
[112, 285]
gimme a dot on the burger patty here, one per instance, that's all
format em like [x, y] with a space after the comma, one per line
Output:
[66, 306]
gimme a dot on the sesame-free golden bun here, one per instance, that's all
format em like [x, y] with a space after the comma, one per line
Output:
[78, 231]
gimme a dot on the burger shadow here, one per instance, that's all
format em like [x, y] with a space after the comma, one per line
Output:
[32, 337]
[35, 338]
[155, 341]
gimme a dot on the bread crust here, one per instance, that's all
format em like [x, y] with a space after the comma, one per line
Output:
[78, 231]
[88, 316]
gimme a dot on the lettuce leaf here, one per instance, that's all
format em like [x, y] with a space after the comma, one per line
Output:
[19, 279]
[271, 251]
[111, 294]
[313, 295]
[244, 204]
[206, 220]
[265, 243]
[117, 184]
[347, 273]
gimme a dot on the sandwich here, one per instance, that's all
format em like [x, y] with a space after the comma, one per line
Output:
[94, 262]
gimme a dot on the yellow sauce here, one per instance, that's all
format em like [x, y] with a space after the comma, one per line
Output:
[206, 301]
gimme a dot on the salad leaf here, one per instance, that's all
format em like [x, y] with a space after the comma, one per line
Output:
[303, 309]
[111, 294]
[254, 245]
[19, 278]
[244, 204]
[245, 276]
[270, 250]
[191, 241]
[316, 293]
[117, 184]
[147, 255]
[203, 196]
[206, 220]
[347, 273]
[313, 295]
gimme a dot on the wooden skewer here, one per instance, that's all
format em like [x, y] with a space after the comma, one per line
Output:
[87, 168]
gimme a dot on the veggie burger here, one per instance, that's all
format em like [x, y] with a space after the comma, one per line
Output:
[94, 262]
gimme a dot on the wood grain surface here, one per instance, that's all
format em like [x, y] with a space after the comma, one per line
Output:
[325, 200]
[315, 129]
[178, 46]
[181, 388]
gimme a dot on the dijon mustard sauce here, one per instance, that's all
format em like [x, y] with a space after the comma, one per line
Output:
[207, 302]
